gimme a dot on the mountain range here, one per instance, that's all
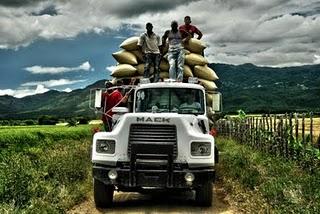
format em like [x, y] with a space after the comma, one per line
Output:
[248, 87]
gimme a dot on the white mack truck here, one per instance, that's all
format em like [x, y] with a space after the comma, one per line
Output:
[162, 142]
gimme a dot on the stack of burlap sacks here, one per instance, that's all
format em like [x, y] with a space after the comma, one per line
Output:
[131, 64]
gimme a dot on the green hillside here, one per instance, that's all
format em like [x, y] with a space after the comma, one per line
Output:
[54, 103]
[248, 87]
[265, 89]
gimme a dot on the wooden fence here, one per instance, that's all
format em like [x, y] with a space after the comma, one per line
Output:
[294, 136]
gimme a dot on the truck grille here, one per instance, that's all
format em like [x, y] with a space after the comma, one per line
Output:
[153, 139]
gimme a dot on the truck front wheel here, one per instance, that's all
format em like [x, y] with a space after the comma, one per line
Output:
[103, 194]
[204, 194]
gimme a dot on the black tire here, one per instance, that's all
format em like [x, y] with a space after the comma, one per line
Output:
[204, 194]
[103, 194]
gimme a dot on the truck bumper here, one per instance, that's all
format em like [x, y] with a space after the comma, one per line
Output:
[159, 178]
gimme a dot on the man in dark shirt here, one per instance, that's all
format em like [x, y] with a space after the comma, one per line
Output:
[190, 28]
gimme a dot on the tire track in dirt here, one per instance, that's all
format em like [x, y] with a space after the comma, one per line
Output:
[158, 203]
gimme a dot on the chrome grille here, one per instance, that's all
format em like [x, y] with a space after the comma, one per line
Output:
[153, 135]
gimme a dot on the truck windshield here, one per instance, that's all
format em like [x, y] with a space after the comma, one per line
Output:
[179, 100]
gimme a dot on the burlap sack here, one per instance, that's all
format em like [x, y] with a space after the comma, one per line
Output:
[205, 72]
[125, 57]
[139, 55]
[164, 65]
[187, 72]
[195, 46]
[124, 70]
[208, 85]
[193, 59]
[130, 44]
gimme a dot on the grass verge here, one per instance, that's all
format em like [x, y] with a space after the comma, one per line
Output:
[47, 176]
[261, 183]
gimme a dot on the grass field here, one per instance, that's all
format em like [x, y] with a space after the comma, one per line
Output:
[44, 169]
[262, 183]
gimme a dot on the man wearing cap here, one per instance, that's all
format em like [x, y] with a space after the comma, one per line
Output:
[112, 97]
[176, 51]
[149, 44]
[190, 28]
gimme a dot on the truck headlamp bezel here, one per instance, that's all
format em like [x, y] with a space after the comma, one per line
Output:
[105, 146]
[200, 149]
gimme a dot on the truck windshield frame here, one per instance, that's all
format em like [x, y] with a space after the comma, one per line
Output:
[170, 100]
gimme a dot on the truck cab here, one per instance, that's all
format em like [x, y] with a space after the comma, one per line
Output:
[164, 143]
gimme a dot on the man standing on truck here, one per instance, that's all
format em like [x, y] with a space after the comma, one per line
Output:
[190, 28]
[176, 51]
[111, 98]
[149, 44]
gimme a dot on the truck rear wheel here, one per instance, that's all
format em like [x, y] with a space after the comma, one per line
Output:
[204, 194]
[103, 194]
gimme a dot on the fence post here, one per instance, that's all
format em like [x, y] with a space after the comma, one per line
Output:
[281, 136]
[285, 140]
[274, 148]
[311, 129]
[303, 134]
[291, 136]
[297, 134]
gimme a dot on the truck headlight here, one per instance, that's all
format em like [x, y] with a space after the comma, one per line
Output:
[200, 148]
[105, 146]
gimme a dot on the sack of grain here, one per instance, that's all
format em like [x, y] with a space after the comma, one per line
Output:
[125, 57]
[186, 52]
[195, 46]
[205, 72]
[193, 59]
[208, 85]
[209, 99]
[164, 75]
[165, 48]
[140, 69]
[130, 44]
[139, 55]
[187, 72]
[164, 65]
[124, 70]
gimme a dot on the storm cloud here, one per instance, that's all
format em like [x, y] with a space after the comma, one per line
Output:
[268, 33]
[19, 3]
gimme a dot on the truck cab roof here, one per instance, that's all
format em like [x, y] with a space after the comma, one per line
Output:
[170, 85]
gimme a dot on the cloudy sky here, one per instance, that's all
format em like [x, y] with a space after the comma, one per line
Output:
[67, 44]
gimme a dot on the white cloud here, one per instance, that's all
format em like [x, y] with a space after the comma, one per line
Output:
[316, 59]
[53, 83]
[68, 90]
[22, 92]
[236, 31]
[111, 68]
[36, 69]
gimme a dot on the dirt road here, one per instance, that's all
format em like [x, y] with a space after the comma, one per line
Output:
[158, 203]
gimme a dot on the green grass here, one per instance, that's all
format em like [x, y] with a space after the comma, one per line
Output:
[44, 169]
[20, 137]
[258, 182]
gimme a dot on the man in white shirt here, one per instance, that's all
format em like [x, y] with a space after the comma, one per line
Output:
[149, 44]
[190, 105]
[176, 38]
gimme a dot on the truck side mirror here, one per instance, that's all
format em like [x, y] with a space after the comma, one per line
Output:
[216, 102]
[98, 98]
